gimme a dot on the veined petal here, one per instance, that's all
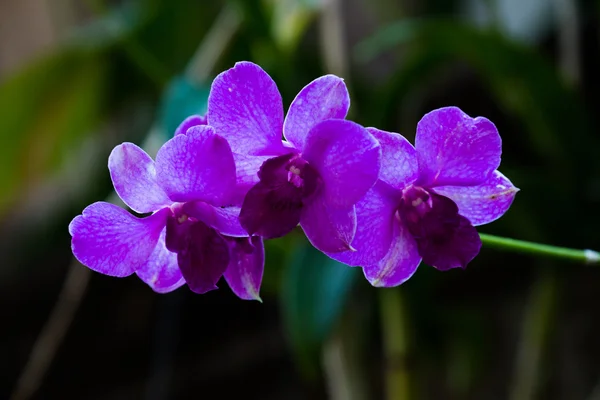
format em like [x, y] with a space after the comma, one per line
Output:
[202, 256]
[399, 264]
[374, 221]
[189, 122]
[223, 219]
[483, 203]
[399, 165]
[324, 98]
[455, 149]
[109, 240]
[329, 229]
[347, 157]
[245, 270]
[197, 166]
[247, 174]
[245, 107]
[134, 178]
[161, 272]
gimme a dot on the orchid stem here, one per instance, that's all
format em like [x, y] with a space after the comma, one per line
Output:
[393, 326]
[521, 246]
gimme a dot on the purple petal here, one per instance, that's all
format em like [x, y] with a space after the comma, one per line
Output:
[347, 157]
[484, 203]
[444, 238]
[399, 264]
[224, 220]
[374, 219]
[270, 213]
[190, 122]
[134, 178]
[245, 271]
[247, 174]
[109, 240]
[329, 229]
[202, 254]
[197, 166]
[399, 165]
[455, 149]
[324, 98]
[245, 107]
[161, 272]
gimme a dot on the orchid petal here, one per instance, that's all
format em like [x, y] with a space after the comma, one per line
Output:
[455, 149]
[247, 174]
[483, 203]
[190, 122]
[374, 220]
[399, 166]
[399, 264]
[109, 240]
[245, 270]
[161, 272]
[202, 254]
[224, 220]
[197, 166]
[347, 157]
[445, 239]
[245, 107]
[270, 213]
[134, 178]
[324, 98]
[329, 229]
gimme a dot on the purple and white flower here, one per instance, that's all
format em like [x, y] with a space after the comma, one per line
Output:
[429, 198]
[193, 234]
[315, 176]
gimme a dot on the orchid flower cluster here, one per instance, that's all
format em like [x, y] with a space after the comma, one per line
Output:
[227, 180]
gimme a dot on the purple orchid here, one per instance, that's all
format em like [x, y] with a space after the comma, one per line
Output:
[193, 236]
[316, 176]
[429, 197]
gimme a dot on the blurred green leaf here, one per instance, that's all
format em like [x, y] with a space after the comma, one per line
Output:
[44, 109]
[290, 20]
[521, 80]
[181, 99]
[314, 292]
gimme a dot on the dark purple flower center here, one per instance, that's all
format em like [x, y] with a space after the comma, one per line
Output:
[272, 207]
[445, 238]
[202, 253]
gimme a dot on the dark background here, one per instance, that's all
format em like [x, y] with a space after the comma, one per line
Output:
[79, 77]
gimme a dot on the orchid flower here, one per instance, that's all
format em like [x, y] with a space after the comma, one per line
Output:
[315, 176]
[192, 234]
[429, 198]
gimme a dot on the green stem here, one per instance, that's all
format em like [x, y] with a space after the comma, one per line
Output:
[393, 326]
[521, 246]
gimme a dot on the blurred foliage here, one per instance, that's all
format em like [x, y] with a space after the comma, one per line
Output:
[290, 20]
[137, 51]
[181, 99]
[314, 292]
[43, 112]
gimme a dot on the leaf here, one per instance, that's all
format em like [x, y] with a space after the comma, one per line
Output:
[43, 111]
[520, 79]
[314, 292]
[291, 19]
[181, 99]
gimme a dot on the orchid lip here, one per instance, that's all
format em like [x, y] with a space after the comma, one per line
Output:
[273, 206]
